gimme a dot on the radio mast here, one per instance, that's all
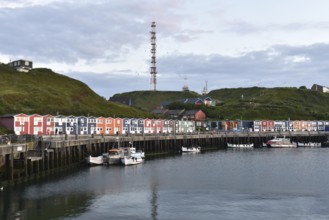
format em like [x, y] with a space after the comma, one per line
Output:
[153, 57]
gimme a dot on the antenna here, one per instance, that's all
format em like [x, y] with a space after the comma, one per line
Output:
[185, 87]
[205, 89]
[153, 57]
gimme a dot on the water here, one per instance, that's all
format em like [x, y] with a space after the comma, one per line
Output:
[225, 184]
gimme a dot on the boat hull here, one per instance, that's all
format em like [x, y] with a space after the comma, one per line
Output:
[240, 145]
[281, 143]
[127, 161]
[113, 160]
[190, 149]
[94, 160]
[309, 144]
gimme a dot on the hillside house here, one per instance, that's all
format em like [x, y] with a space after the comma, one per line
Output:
[319, 88]
[175, 114]
[194, 115]
[21, 65]
[160, 112]
[194, 101]
[200, 101]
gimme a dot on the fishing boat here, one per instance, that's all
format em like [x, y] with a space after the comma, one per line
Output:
[190, 149]
[281, 143]
[113, 156]
[94, 160]
[240, 145]
[131, 156]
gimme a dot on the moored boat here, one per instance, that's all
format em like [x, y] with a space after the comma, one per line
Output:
[309, 144]
[131, 156]
[129, 160]
[94, 160]
[113, 156]
[281, 143]
[240, 145]
[190, 149]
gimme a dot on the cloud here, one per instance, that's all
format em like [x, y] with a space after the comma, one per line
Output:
[106, 44]
[70, 31]
[276, 66]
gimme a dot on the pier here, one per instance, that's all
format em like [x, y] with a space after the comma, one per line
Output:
[44, 155]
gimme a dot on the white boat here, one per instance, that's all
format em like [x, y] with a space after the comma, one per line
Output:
[240, 145]
[281, 143]
[190, 149]
[131, 156]
[95, 160]
[129, 160]
[135, 153]
[309, 144]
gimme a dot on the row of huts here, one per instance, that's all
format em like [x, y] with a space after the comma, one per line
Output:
[36, 124]
[269, 125]
[50, 125]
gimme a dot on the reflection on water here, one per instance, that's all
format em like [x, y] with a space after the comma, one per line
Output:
[232, 184]
[154, 200]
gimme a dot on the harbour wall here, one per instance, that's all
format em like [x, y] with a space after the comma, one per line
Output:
[48, 154]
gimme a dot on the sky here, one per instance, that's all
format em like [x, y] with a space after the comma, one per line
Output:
[218, 43]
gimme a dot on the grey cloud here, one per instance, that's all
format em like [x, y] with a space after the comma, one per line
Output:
[68, 32]
[258, 68]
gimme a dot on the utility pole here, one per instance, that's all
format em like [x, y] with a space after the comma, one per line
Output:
[153, 56]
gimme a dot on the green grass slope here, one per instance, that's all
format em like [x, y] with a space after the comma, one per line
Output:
[244, 103]
[271, 103]
[149, 100]
[42, 91]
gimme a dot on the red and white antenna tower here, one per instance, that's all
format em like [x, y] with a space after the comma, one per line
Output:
[153, 57]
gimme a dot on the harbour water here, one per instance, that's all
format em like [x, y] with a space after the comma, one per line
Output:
[224, 184]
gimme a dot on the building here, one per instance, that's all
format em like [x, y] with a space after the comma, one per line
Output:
[91, 123]
[36, 124]
[82, 125]
[21, 65]
[207, 101]
[48, 124]
[175, 114]
[60, 124]
[319, 88]
[194, 115]
[18, 123]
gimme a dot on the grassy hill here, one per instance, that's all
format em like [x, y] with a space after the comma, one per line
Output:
[42, 91]
[272, 103]
[246, 103]
[149, 100]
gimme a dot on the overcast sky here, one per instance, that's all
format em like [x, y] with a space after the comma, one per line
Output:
[229, 44]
